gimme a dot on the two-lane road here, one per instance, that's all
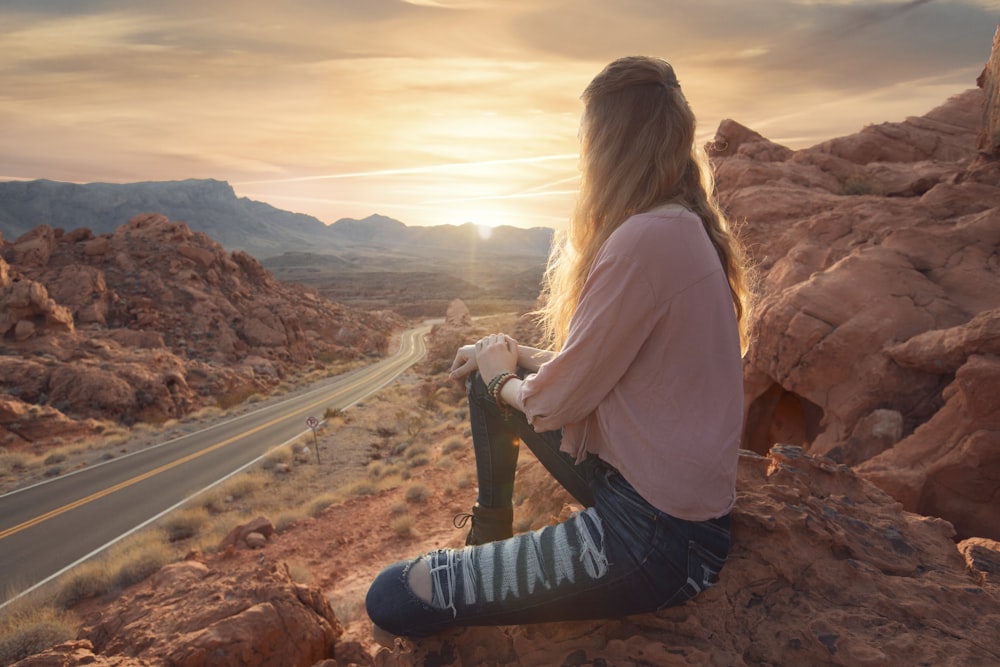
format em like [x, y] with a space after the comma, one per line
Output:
[48, 528]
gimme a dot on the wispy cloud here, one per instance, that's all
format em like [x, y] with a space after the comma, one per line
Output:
[438, 103]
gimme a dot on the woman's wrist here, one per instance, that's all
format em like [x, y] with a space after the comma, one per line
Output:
[509, 393]
[496, 387]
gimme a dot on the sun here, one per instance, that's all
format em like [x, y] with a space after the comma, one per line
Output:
[485, 216]
[485, 231]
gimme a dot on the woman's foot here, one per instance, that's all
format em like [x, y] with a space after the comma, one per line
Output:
[489, 524]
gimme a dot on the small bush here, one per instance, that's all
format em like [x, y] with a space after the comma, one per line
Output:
[399, 508]
[54, 458]
[276, 457]
[417, 494]
[454, 444]
[85, 581]
[361, 488]
[235, 396]
[419, 461]
[244, 485]
[184, 524]
[29, 631]
[320, 503]
[402, 526]
[14, 461]
[416, 450]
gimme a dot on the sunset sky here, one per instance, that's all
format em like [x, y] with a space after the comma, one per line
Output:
[439, 111]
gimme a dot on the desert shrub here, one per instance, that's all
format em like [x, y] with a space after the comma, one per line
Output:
[463, 479]
[281, 455]
[320, 503]
[454, 444]
[138, 561]
[418, 461]
[183, 524]
[235, 396]
[399, 508]
[415, 450]
[361, 488]
[417, 493]
[54, 457]
[244, 485]
[24, 632]
[14, 461]
[376, 469]
[285, 520]
[402, 526]
[332, 413]
[85, 581]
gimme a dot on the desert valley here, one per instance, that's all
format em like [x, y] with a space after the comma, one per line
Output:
[867, 525]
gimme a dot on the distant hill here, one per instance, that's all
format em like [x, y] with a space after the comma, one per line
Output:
[238, 223]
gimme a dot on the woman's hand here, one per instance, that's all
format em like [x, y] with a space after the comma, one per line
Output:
[464, 363]
[495, 354]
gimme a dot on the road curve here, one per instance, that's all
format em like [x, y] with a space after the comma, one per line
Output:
[47, 528]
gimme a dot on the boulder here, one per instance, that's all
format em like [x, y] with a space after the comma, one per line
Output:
[189, 614]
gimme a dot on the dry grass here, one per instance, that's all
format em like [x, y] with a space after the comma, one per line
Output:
[27, 628]
[128, 562]
[417, 493]
[402, 526]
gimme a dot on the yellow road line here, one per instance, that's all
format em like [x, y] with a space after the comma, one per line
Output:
[166, 466]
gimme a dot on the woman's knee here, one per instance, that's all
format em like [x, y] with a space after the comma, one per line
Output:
[385, 596]
[398, 600]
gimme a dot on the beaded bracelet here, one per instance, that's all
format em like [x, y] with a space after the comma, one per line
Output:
[496, 386]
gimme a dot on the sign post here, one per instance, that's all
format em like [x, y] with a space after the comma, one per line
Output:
[313, 424]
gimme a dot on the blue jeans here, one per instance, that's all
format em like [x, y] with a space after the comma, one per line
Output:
[619, 556]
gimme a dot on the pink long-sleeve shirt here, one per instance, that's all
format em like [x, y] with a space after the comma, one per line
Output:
[650, 378]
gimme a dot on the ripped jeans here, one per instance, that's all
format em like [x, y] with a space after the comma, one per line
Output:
[617, 557]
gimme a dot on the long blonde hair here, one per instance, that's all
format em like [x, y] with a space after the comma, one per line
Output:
[637, 153]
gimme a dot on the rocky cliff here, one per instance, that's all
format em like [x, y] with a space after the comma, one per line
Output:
[148, 323]
[875, 341]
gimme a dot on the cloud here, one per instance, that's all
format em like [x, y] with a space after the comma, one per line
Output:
[261, 91]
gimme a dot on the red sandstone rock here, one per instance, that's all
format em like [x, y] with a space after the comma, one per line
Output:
[154, 321]
[826, 569]
[877, 259]
[189, 614]
[261, 527]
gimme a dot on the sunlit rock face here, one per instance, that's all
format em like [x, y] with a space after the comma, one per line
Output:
[150, 322]
[873, 341]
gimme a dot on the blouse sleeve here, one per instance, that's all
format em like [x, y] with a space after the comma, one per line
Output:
[610, 324]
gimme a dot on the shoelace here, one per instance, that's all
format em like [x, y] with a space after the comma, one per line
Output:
[461, 519]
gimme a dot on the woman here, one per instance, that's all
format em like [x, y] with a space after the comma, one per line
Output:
[637, 413]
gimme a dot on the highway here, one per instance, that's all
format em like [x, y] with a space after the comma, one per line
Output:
[47, 528]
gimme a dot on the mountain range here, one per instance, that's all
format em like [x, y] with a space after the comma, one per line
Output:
[239, 223]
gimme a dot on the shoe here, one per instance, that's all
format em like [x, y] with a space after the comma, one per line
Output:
[489, 524]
